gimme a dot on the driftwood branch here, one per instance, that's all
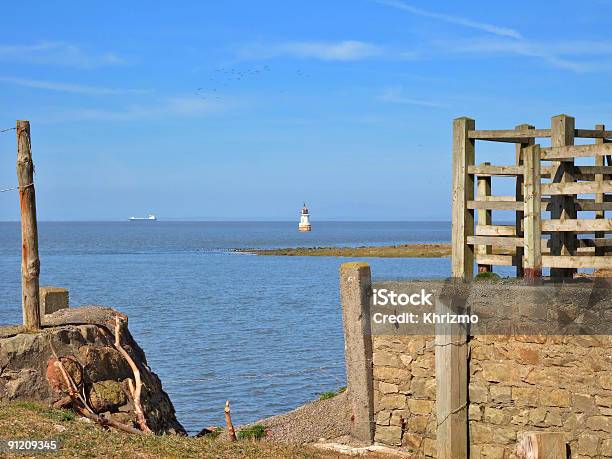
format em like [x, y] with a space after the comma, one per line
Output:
[136, 387]
[80, 403]
[228, 421]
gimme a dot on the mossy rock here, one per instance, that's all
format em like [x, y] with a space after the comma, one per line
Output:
[106, 396]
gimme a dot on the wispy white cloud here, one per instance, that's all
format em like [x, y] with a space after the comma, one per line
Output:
[568, 55]
[458, 20]
[69, 87]
[181, 106]
[395, 96]
[347, 50]
[58, 53]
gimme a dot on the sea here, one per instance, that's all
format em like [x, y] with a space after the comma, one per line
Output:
[264, 332]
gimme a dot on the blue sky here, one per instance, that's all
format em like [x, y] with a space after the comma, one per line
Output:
[242, 110]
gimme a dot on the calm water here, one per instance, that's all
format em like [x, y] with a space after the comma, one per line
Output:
[264, 332]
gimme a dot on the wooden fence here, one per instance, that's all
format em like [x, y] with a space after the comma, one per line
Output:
[548, 183]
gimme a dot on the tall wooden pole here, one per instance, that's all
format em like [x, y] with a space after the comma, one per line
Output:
[519, 214]
[600, 197]
[485, 217]
[30, 263]
[463, 191]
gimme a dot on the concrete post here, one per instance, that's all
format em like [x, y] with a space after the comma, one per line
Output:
[52, 299]
[355, 294]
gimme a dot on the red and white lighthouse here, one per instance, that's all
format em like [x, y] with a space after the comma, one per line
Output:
[304, 220]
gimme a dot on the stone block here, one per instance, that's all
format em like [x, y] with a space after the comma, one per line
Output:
[385, 359]
[478, 393]
[555, 397]
[496, 416]
[588, 444]
[501, 394]
[392, 402]
[387, 388]
[420, 406]
[52, 299]
[388, 435]
[603, 423]
[525, 396]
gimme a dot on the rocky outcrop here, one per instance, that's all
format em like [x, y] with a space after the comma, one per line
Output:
[83, 338]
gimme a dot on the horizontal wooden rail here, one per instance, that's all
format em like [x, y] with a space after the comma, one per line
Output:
[498, 260]
[576, 262]
[495, 230]
[496, 241]
[495, 171]
[575, 151]
[592, 133]
[577, 187]
[495, 205]
[578, 226]
[514, 136]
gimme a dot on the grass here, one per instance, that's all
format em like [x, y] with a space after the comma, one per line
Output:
[392, 251]
[330, 393]
[487, 276]
[80, 439]
[254, 432]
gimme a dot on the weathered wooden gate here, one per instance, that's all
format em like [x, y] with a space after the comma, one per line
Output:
[548, 183]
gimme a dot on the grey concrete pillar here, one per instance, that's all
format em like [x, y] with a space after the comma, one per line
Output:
[52, 299]
[355, 294]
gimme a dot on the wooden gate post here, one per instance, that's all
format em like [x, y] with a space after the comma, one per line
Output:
[30, 263]
[599, 197]
[519, 197]
[485, 217]
[463, 191]
[532, 210]
[451, 362]
[562, 207]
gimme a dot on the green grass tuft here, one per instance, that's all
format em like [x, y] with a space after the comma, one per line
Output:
[254, 432]
[330, 393]
[50, 413]
[487, 276]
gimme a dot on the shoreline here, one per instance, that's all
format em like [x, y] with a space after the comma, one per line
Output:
[388, 251]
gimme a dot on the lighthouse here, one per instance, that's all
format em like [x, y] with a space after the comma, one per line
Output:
[304, 220]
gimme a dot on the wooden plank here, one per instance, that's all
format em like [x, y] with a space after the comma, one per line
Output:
[30, 262]
[532, 264]
[496, 230]
[575, 151]
[463, 191]
[451, 365]
[495, 205]
[542, 445]
[495, 171]
[509, 135]
[571, 188]
[599, 197]
[496, 241]
[576, 262]
[520, 197]
[562, 207]
[595, 242]
[496, 260]
[485, 216]
[593, 133]
[580, 226]
[498, 198]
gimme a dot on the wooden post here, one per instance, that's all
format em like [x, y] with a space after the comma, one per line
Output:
[532, 225]
[30, 263]
[599, 197]
[451, 362]
[542, 445]
[484, 218]
[463, 191]
[519, 215]
[355, 297]
[562, 207]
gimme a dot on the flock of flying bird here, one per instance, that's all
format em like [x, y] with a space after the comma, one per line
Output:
[225, 76]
